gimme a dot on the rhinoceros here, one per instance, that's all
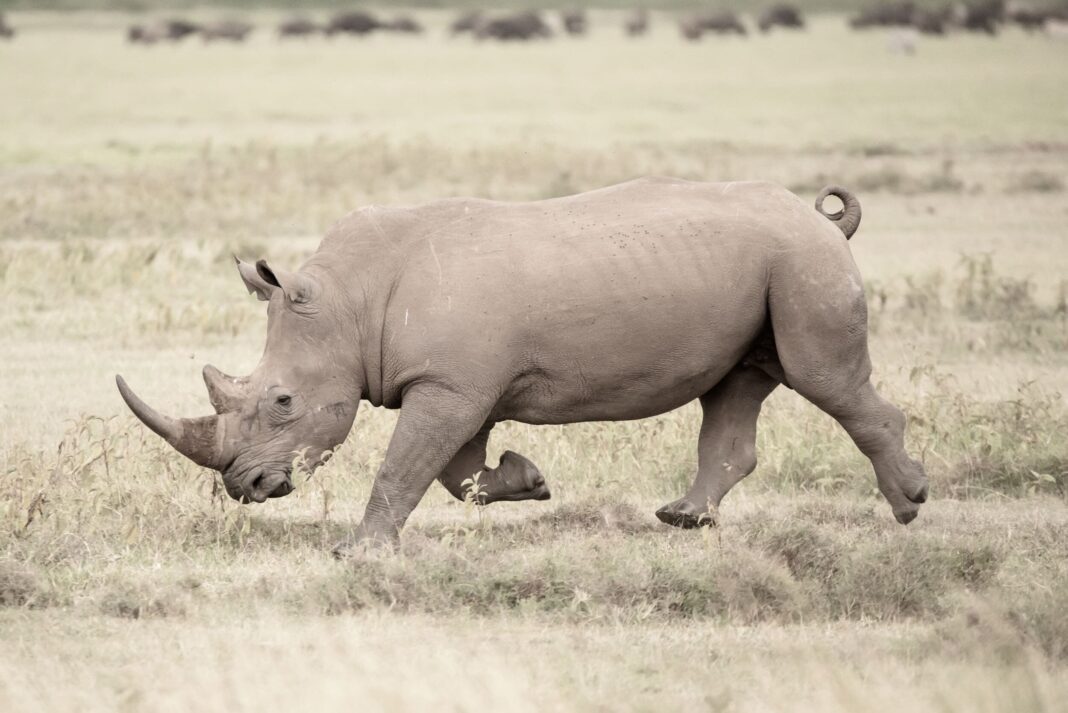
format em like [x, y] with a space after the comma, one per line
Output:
[620, 303]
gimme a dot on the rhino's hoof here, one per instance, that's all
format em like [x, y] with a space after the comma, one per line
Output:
[538, 488]
[531, 484]
[540, 491]
[682, 513]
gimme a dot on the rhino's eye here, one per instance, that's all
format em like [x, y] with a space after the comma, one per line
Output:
[283, 400]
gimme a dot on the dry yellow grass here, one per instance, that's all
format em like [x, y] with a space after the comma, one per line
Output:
[128, 176]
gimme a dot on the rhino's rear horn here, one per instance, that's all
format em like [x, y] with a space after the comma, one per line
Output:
[225, 392]
[198, 439]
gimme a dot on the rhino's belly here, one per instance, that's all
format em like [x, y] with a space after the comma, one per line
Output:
[630, 378]
[538, 399]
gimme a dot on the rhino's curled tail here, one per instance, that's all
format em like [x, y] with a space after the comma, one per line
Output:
[847, 219]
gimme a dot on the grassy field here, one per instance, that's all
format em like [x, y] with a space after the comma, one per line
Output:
[129, 581]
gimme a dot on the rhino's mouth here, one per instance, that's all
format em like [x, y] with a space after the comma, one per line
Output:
[261, 484]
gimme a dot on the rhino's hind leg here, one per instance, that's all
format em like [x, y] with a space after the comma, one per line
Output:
[726, 450]
[515, 478]
[877, 427]
[821, 332]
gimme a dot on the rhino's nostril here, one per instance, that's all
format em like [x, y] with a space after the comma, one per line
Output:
[257, 482]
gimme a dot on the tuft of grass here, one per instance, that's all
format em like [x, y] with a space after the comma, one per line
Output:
[908, 579]
[138, 601]
[20, 585]
[598, 514]
[808, 552]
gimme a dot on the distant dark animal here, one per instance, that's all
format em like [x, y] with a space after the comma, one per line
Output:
[637, 23]
[1027, 18]
[983, 16]
[404, 25]
[887, 14]
[781, 15]
[527, 25]
[930, 22]
[720, 23]
[690, 28]
[355, 22]
[467, 22]
[178, 29]
[227, 30]
[1031, 19]
[146, 34]
[7, 32]
[298, 27]
[574, 22]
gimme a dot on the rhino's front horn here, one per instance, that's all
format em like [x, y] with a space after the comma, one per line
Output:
[198, 439]
[225, 392]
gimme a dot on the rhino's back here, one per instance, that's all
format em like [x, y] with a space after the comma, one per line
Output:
[559, 224]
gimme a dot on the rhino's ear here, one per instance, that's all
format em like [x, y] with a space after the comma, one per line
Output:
[298, 289]
[253, 281]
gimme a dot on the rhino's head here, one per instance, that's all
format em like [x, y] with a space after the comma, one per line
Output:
[302, 397]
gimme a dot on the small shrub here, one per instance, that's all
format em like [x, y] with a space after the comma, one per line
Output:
[19, 586]
[885, 179]
[1036, 182]
[130, 600]
[882, 149]
[983, 294]
[942, 181]
[923, 294]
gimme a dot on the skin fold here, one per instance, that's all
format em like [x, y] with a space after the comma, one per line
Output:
[616, 304]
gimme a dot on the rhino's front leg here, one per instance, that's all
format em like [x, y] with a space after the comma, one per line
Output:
[514, 478]
[434, 424]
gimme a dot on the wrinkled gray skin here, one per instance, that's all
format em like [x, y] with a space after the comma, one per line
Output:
[620, 303]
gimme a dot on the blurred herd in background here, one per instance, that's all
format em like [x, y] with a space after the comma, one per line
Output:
[981, 16]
